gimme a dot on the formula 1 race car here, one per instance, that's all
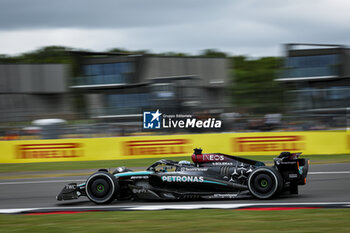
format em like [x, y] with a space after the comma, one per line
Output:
[210, 176]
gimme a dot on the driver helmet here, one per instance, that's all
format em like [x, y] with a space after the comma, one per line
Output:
[184, 162]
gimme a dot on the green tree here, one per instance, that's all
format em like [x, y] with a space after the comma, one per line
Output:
[173, 54]
[49, 54]
[213, 53]
[254, 87]
[128, 52]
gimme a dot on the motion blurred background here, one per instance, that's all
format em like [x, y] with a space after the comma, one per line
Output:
[57, 92]
[63, 91]
[82, 72]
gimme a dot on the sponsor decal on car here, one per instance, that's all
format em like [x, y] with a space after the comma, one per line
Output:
[157, 147]
[183, 178]
[225, 195]
[197, 169]
[213, 157]
[139, 177]
[136, 191]
[53, 150]
[223, 163]
[70, 186]
[268, 143]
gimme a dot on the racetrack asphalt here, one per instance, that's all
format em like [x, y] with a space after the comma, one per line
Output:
[325, 183]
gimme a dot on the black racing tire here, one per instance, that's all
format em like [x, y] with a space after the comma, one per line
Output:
[265, 182]
[101, 187]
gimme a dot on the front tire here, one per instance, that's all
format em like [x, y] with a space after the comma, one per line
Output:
[101, 188]
[265, 182]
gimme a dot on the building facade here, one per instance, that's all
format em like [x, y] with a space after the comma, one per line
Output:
[318, 77]
[117, 86]
[112, 86]
[34, 91]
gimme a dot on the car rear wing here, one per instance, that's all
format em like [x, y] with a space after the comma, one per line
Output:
[292, 168]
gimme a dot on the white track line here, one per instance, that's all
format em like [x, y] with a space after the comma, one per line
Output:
[63, 181]
[41, 182]
[169, 207]
[189, 206]
[227, 206]
[328, 173]
[16, 211]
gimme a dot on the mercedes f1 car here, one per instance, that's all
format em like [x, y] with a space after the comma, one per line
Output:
[210, 176]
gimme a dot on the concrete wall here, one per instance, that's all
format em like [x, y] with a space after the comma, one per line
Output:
[346, 63]
[33, 78]
[213, 72]
[30, 91]
[208, 69]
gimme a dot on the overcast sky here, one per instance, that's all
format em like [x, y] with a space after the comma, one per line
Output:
[248, 27]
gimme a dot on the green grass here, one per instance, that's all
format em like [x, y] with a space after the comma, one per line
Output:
[316, 220]
[51, 166]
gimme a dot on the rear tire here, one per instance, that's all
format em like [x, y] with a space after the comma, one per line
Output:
[265, 182]
[101, 187]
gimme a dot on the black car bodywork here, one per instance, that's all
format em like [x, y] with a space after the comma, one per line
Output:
[210, 176]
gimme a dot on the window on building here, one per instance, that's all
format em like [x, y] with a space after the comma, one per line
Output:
[108, 73]
[311, 66]
[331, 97]
[163, 91]
[127, 103]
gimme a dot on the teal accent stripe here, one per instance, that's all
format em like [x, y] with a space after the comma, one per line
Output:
[213, 182]
[301, 170]
[133, 174]
[81, 185]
